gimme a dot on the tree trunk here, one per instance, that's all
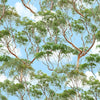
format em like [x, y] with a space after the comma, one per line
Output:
[22, 98]
[78, 58]
[21, 76]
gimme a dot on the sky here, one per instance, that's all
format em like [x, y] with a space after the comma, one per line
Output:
[22, 11]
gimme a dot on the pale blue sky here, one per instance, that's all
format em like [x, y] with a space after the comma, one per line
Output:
[37, 65]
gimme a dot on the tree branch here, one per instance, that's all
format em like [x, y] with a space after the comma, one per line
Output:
[83, 43]
[90, 47]
[3, 12]
[76, 9]
[71, 42]
[11, 51]
[27, 7]
[52, 3]
[28, 2]
[32, 60]
[26, 53]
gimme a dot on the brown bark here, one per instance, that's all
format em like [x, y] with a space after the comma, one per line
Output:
[71, 43]
[82, 53]
[11, 51]
[32, 60]
[78, 58]
[16, 55]
[74, 6]
[3, 12]
[21, 80]
[90, 46]
[22, 98]
[27, 7]
[52, 3]
[21, 76]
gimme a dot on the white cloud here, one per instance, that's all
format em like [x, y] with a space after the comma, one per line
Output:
[78, 83]
[26, 78]
[81, 3]
[33, 81]
[16, 51]
[36, 18]
[94, 49]
[88, 74]
[54, 57]
[2, 77]
[24, 12]
[4, 50]
[97, 76]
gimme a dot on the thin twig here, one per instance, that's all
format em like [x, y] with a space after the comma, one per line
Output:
[83, 44]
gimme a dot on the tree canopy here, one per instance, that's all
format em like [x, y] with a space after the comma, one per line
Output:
[60, 35]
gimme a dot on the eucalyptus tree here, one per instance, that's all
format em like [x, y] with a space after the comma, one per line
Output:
[24, 33]
[15, 68]
[71, 23]
[67, 27]
[76, 84]
[24, 83]
[2, 8]
[72, 82]
[66, 19]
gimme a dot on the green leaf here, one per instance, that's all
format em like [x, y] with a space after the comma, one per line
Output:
[97, 35]
[39, 55]
[4, 33]
[4, 1]
[4, 58]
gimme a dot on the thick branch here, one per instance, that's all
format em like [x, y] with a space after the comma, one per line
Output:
[90, 47]
[78, 61]
[27, 7]
[52, 3]
[33, 60]
[11, 51]
[77, 10]
[71, 42]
